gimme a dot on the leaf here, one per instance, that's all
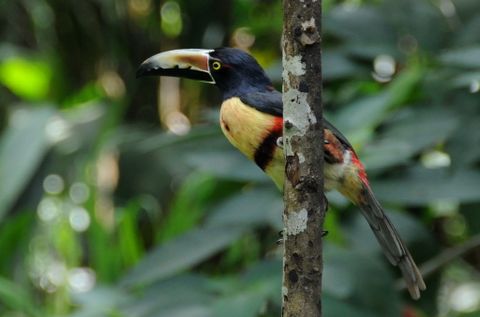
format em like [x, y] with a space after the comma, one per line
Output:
[246, 304]
[418, 21]
[188, 206]
[466, 80]
[348, 273]
[358, 119]
[405, 84]
[459, 146]
[146, 143]
[370, 52]
[14, 297]
[338, 66]
[420, 186]
[334, 307]
[466, 57]
[471, 216]
[240, 295]
[15, 235]
[362, 24]
[130, 240]
[101, 301]
[174, 295]
[182, 253]
[27, 78]
[254, 207]
[22, 148]
[409, 135]
[190, 310]
[362, 115]
[230, 164]
[259, 284]
[468, 35]
[204, 149]
[467, 9]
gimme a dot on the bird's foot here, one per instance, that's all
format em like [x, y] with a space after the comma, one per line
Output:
[280, 240]
[324, 233]
[280, 142]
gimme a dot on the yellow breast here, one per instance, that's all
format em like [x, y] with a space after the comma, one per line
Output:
[244, 126]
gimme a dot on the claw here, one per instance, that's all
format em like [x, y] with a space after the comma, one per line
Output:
[324, 233]
[280, 234]
[280, 142]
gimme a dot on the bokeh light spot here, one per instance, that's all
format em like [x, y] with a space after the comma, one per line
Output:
[475, 86]
[436, 159]
[384, 68]
[81, 280]
[112, 84]
[243, 38]
[57, 129]
[79, 219]
[171, 19]
[177, 123]
[53, 184]
[56, 273]
[79, 193]
[448, 8]
[466, 298]
[139, 8]
[48, 209]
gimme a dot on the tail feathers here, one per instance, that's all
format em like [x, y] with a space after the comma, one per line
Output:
[391, 243]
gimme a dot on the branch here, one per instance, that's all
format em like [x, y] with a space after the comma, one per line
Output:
[303, 139]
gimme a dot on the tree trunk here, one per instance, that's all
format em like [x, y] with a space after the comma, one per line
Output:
[303, 146]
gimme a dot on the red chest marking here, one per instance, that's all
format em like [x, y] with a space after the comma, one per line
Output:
[333, 148]
[264, 153]
[278, 125]
[361, 170]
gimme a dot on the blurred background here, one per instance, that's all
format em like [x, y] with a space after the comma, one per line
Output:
[120, 197]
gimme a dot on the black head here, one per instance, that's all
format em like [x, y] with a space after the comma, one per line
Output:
[232, 70]
[236, 72]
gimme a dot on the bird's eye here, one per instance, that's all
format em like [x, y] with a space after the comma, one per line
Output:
[216, 65]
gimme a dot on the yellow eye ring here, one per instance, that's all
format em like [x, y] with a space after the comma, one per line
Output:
[216, 65]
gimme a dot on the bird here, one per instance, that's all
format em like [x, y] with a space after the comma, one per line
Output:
[251, 118]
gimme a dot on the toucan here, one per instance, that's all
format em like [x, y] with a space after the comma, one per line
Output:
[251, 119]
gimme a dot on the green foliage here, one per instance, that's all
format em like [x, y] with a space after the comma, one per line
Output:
[20, 162]
[104, 213]
[14, 297]
[29, 79]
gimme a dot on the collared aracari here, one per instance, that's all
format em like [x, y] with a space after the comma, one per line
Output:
[251, 119]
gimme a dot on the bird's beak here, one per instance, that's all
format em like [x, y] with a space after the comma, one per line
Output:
[184, 63]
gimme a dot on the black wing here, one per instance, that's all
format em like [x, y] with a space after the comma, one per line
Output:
[271, 102]
[268, 102]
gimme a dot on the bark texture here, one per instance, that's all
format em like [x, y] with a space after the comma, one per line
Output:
[303, 146]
